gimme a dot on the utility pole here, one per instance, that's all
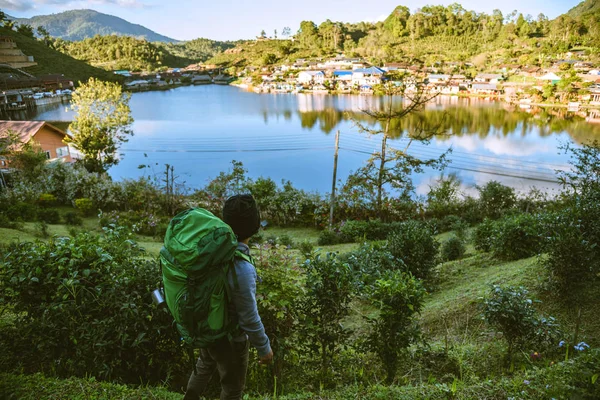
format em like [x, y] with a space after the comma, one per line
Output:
[335, 160]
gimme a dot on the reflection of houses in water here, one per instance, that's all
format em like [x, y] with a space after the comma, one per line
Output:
[593, 116]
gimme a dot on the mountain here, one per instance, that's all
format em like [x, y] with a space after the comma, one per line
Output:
[585, 7]
[82, 24]
[51, 61]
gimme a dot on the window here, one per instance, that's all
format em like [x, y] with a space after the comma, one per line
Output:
[48, 155]
[62, 151]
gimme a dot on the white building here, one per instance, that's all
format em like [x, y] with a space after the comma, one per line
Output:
[367, 76]
[311, 77]
[488, 78]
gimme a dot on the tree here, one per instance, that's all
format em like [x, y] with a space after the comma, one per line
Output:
[393, 167]
[287, 32]
[275, 34]
[397, 22]
[308, 34]
[25, 30]
[263, 34]
[102, 123]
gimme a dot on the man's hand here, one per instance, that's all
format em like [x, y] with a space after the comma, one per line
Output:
[264, 360]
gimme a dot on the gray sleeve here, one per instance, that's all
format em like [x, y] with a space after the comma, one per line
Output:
[244, 299]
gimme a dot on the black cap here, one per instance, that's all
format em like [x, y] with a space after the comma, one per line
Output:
[241, 214]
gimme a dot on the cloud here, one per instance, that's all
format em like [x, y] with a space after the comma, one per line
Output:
[25, 5]
[16, 5]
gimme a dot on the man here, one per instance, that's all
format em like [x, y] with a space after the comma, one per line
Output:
[230, 356]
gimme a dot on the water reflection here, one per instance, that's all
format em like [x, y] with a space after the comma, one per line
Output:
[284, 136]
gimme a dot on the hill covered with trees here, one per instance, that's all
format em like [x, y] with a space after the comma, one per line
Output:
[434, 34]
[83, 24]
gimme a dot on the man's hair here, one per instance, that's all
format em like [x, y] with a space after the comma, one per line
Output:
[241, 214]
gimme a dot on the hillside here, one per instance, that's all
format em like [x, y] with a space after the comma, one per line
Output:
[585, 7]
[54, 62]
[82, 24]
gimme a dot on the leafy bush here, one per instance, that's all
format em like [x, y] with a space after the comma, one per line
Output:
[453, 249]
[286, 240]
[279, 297]
[328, 294]
[91, 315]
[510, 311]
[327, 237]
[49, 215]
[517, 237]
[495, 199]
[72, 218]
[306, 247]
[415, 245]
[144, 223]
[483, 236]
[21, 211]
[399, 298]
[47, 200]
[6, 222]
[85, 205]
[368, 263]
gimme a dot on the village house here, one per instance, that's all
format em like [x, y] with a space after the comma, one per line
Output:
[367, 77]
[343, 79]
[488, 78]
[485, 88]
[56, 81]
[531, 71]
[49, 138]
[400, 67]
[595, 96]
[311, 77]
[550, 76]
[137, 84]
[435, 79]
[201, 80]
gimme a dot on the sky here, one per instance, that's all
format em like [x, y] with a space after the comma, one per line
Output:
[244, 19]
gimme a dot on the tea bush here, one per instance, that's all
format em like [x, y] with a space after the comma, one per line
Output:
[510, 311]
[49, 215]
[327, 237]
[517, 237]
[328, 294]
[415, 245]
[399, 298]
[483, 235]
[72, 218]
[495, 199]
[368, 263]
[47, 200]
[82, 307]
[306, 247]
[453, 249]
[85, 206]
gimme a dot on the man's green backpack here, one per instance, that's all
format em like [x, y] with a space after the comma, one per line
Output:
[198, 253]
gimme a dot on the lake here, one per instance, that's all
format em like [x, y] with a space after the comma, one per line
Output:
[200, 129]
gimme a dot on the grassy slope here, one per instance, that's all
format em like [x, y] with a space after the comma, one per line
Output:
[53, 62]
[450, 313]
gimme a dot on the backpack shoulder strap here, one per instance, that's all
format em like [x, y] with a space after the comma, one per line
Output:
[246, 257]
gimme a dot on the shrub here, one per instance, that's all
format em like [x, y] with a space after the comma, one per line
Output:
[6, 222]
[415, 245]
[42, 229]
[49, 216]
[495, 199]
[510, 311]
[368, 263]
[328, 294]
[399, 298]
[72, 218]
[85, 206]
[306, 247]
[453, 249]
[91, 315]
[21, 211]
[517, 237]
[327, 237]
[47, 200]
[483, 236]
[285, 240]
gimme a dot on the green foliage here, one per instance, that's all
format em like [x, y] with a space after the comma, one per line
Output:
[399, 298]
[144, 223]
[85, 206]
[102, 123]
[47, 200]
[495, 199]
[82, 308]
[72, 218]
[453, 249]
[279, 297]
[444, 197]
[483, 235]
[121, 52]
[369, 263]
[415, 245]
[306, 248]
[510, 310]
[327, 237]
[517, 237]
[48, 215]
[328, 294]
